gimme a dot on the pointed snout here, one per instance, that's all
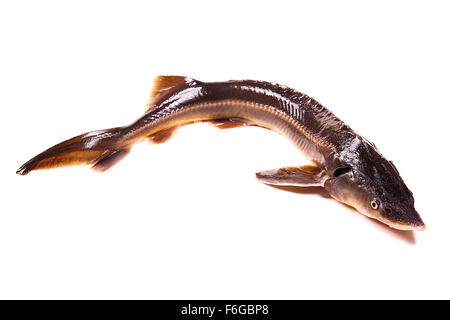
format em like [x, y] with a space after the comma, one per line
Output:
[409, 220]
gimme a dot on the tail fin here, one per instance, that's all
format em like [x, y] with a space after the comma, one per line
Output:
[102, 149]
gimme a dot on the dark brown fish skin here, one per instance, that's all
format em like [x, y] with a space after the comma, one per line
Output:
[329, 133]
[312, 128]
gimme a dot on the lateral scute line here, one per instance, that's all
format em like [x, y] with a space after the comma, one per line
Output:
[301, 127]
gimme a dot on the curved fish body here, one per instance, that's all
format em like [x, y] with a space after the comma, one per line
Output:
[347, 165]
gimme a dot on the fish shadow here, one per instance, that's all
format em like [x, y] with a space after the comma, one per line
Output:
[407, 236]
[304, 190]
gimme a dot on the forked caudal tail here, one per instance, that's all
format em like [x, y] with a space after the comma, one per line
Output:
[102, 149]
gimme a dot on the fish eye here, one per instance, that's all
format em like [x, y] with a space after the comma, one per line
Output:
[374, 204]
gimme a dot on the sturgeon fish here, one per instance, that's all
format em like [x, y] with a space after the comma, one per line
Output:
[347, 165]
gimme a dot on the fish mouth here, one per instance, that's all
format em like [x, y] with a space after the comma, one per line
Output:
[419, 226]
[402, 226]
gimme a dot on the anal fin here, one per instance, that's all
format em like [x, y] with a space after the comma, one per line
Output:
[109, 158]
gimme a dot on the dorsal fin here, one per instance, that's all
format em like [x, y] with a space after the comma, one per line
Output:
[163, 85]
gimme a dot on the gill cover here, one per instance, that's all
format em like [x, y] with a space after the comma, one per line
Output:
[364, 179]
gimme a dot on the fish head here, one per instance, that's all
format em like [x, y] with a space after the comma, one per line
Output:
[362, 178]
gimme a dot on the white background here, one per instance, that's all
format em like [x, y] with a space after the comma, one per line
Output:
[188, 219]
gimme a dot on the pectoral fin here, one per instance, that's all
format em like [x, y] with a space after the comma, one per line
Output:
[305, 176]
